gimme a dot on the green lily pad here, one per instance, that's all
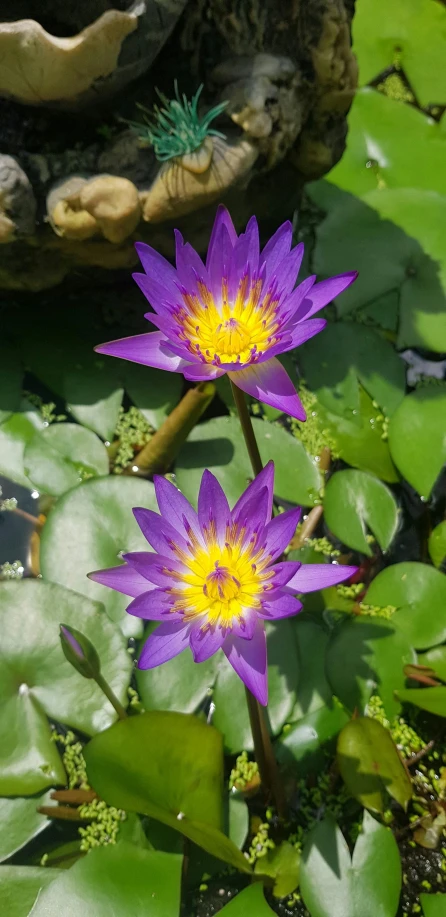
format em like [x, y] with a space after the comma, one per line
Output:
[436, 660]
[93, 398]
[370, 765]
[218, 444]
[87, 530]
[20, 822]
[416, 437]
[313, 690]
[375, 157]
[303, 743]
[334, 884]
[180, 684]
[63, 455]
[154, 392]
[11, 374]
[121, 878]
[418, 592]
[281, 864]
[433, 905]
[366, 656]
[355, 501]
[431, 699]
[437, 544]
[37, 681]
[401, 231]
[238, 819]
[412, 31]
[19, 887]
[359, 441]
[15, 434]
[248, 903]
[335, 362]
[231, 713]
[168, 766]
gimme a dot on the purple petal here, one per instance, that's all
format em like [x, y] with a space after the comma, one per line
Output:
[123, 578]
[264, 479]
[156, 267]
[214, 514]
[248, 659]
[279, 532]
[154, 606]
[161, 535]
[288, 269]
[176, 509]
[223, 239]
[245, 627]
[292, 302]
[277, 248]
[283, 572]
[147, 349]
[222, 218]
[197, 372]
[324, 292]
[311, 577]
[156, 568]
[162, 298]
[167, 641]
[204, 643]
[252, 518]
[269, 382]
[304, 331]
[280, 607]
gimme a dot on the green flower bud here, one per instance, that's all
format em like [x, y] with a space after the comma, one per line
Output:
[79, 652]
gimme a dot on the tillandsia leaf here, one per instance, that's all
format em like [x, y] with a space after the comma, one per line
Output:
[233, 315]
[176, 128]
[216, 576]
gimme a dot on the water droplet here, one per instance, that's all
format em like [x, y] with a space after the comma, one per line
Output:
[35, 494]
[423, 499]
[107, 444]
[23, 690]
[135, 468]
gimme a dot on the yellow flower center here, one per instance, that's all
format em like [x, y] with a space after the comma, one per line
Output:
[218, 584]
[237, 331]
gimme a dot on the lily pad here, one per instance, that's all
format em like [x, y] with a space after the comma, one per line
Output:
[88, 529]
[366, 656]
[375, 158]
[281, 864]
[312, 689]
[335, 362]
[303, 743]
[121, 878]
[355, 501]
[37, 681]
[20, 885]
[418, 592]
[433, 905]
[437, 544]
[334, 884]
[417, 439]
[248, 903]
[431, 699]
[436, 660]
[370, 765]
[218, 444]
[180, 684]
[20, 822]
[15, 434]
[231, 713]
[412, 31]
[168, 766]
[154, 392]
[61, 456]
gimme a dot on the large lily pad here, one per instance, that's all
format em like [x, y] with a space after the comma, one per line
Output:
[20, 885]
[168, 766]
[366, 656]
[61, 456]
[375, 157]
[431, 699]
[355, 501]
[218, 444]
[335, 362]
[418, 592]
[87, 530]
[304, 742]
[412, 31]
[248, 903]
[122, 879]
[15, 434]
[370, 765]
[417, 437]
[433, 905]
[180, 684]
[334, 884]
[20, 822]
[37, 681]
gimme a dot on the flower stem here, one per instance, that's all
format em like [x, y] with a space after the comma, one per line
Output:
[248, 432]
[263, 749]
[110, 695]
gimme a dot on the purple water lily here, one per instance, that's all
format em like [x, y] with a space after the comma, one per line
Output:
[232, 315]
[216, 576]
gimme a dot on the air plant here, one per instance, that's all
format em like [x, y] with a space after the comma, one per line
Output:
[176, 128]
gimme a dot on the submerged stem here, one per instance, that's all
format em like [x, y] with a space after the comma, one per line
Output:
[263, 749]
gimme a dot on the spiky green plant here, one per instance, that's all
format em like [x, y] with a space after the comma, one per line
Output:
[176, 128]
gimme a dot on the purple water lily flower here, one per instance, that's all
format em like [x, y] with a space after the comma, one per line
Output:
[232, 315]
[216, 576]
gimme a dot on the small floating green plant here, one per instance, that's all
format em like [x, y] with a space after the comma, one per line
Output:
[176, 128]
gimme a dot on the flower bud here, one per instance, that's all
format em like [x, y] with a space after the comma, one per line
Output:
[79, 652]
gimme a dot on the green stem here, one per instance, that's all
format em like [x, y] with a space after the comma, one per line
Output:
[263, 749]
[110, 695]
